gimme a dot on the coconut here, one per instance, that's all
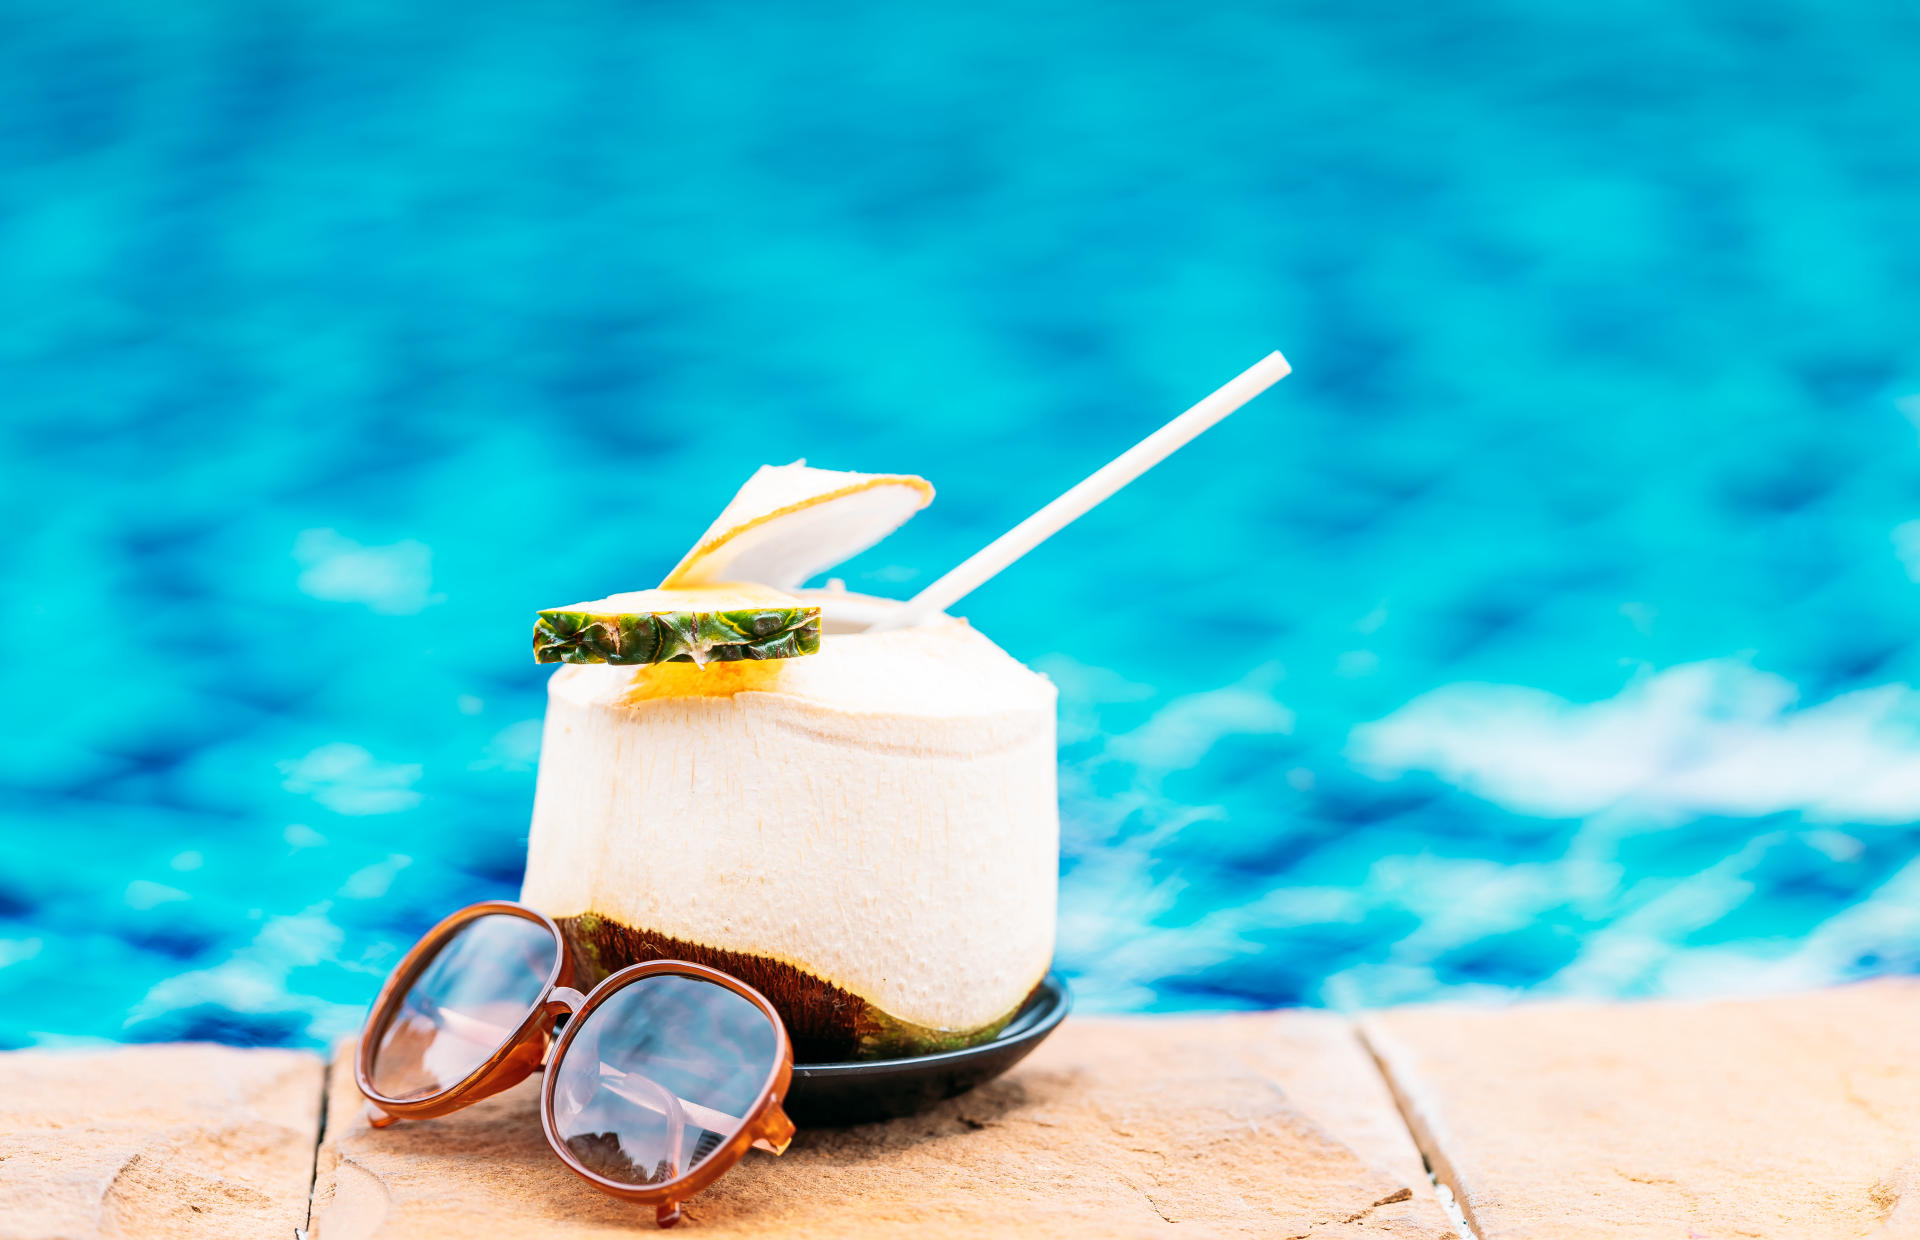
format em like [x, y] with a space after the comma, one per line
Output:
[868, 835]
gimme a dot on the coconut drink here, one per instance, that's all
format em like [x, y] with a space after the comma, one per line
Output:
[847, 802]
[862, 826]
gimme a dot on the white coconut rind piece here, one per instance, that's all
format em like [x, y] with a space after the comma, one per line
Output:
[789, 523]
[881, 815]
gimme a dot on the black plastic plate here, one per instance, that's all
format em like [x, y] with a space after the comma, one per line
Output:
[825, 1095]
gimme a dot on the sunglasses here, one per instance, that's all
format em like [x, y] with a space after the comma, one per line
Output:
[662, 1078]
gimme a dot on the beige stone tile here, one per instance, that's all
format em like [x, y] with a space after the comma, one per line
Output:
[157, 1142]
[1795, 1117]
[1268, 1125]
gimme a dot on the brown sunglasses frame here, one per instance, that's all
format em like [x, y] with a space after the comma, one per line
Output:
[534, 1045]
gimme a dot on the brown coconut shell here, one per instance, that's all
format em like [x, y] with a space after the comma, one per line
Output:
[826, 1023]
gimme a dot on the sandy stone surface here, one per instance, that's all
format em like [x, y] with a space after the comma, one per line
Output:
[1792, 1118]
[157, 1142]
[1271, 1125]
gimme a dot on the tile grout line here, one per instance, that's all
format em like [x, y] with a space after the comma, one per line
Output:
[1440, 1169]
[1455, 1215]
[319, 1138]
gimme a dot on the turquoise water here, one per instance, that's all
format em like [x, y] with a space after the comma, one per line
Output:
[1551, 630]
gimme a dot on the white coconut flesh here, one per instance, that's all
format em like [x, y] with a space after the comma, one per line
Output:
[792, 522]
[881, 816]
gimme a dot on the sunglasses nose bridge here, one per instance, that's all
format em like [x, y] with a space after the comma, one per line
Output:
[564, 1000]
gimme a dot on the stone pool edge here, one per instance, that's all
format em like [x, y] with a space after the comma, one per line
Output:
[1785, 1115]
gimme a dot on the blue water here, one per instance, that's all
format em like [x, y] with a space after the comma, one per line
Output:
[1550, 631]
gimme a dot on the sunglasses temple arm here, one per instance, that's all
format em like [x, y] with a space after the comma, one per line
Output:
[775, 1128]
[476, 1029]
[654, 1097]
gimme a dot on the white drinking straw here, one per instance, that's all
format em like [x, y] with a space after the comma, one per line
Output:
[981, 566]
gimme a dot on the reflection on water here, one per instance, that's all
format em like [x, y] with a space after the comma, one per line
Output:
[1551, 629]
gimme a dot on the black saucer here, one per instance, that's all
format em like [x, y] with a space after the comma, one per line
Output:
[825, 1095]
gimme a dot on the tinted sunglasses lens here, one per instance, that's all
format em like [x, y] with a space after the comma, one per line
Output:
[464, 1005]
[659, 1075]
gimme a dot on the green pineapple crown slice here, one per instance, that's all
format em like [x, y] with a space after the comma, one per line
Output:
[711, 624]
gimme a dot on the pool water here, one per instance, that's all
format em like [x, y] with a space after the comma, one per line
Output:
[1552, 630]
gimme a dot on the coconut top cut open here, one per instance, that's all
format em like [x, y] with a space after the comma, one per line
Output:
[793, 522]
